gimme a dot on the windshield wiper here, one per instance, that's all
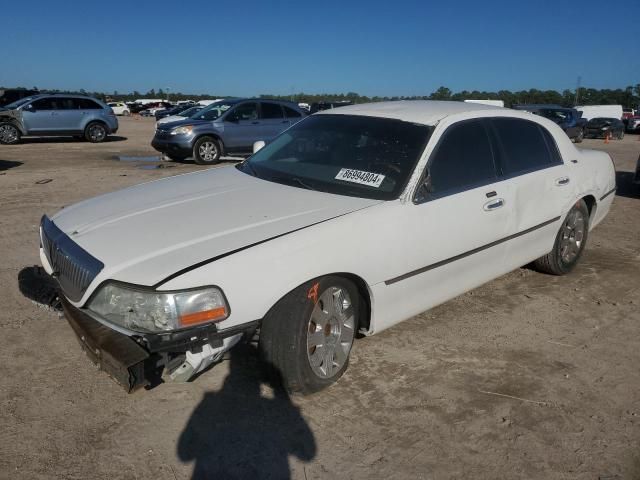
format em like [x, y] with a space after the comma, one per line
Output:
[292, 180]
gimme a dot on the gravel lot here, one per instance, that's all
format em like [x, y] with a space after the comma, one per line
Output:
[530, 376]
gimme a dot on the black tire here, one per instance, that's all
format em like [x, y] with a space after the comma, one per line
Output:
[284, 335]
[9, 133]
[553, 262]
[207, 151]
[621, 135]
[95, 132]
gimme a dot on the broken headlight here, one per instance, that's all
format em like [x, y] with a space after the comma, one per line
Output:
[140, 309]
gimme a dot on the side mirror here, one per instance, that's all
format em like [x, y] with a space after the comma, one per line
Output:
[29, 108]
[258, 145]
[424, 189]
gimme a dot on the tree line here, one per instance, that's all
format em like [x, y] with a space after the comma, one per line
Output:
[627, 97]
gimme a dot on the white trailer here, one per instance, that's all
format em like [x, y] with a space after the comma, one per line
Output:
[493, 103]
[595, 111]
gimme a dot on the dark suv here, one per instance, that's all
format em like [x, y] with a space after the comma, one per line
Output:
[569, 119]
[225, 127]
[57, 115]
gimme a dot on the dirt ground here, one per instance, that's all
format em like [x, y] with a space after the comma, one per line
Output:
[528, 377]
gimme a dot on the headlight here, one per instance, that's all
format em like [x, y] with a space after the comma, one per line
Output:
[148, 311]
[186, 130]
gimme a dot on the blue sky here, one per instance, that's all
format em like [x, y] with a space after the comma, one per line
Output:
[370, 47]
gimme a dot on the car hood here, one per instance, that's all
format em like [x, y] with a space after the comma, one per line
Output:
[145, 233]
[171, 119]
[183, 121]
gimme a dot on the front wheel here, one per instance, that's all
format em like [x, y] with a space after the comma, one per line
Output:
[95, 132]
[307, 336]
[206, 151]
[569, 244]
[9, 134]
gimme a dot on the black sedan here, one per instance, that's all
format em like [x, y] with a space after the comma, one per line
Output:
[602, 127]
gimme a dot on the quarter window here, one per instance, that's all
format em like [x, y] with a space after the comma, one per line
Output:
[271, 110]
[86, 104]
[524, 148]
[463, 159]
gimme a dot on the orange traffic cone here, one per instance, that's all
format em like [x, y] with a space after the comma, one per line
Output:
[606, 137]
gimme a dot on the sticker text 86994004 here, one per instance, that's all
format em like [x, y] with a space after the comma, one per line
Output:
[358, 176]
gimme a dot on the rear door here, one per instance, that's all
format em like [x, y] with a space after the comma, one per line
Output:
[273, 120]
[87, 110]
[242, 127]
[530, 163]
[69, 115]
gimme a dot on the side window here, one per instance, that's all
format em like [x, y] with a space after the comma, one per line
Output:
[524, 148]
[45, 104]
[86, 104]
[463, 159]
[291, 113]
[271, 110]
[244, 111]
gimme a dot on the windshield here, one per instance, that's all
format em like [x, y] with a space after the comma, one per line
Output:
[18, 103]
[190, 111]
[213, 111]
[351, 155]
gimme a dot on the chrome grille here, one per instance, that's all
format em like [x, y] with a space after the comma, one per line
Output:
[73, 267]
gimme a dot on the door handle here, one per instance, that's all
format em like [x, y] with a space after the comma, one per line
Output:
[493, 204]
[562, 181]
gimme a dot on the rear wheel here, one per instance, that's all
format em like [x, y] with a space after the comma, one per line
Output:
[307, 336]
[580, 136]
[9, 134]
[206, 151]
[569, 244]
[95, 132]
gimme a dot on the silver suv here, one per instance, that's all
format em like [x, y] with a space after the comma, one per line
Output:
[56, 115]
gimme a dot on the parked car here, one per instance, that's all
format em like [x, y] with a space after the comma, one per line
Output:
[226, 127]
[569, 119]
[351, 221]
[57, 115]
[604, 127]
[172, 111]
[139, 107]
[152, 108]
[633, 124]
[10, 95]
[320, 106]
[120, 108]
[181, 116]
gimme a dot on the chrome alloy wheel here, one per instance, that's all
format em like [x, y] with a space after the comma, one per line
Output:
[8, 133]
[97, 133]
[208, 151]
[330, 332]
[572, 236]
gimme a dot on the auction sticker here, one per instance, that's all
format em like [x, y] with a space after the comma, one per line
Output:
[358, 176]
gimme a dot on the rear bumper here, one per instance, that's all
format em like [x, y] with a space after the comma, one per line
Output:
[139, 360]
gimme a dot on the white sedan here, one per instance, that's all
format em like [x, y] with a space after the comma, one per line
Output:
[348, 223]
[120, 108]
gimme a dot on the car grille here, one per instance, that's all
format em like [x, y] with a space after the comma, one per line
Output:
[73, 267]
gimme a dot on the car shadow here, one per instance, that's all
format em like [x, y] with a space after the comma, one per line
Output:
[37, 285]
[26, 140]
[7, 164]
[247, 429]
[625, 186]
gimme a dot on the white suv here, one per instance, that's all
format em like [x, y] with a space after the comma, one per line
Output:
[120, 108]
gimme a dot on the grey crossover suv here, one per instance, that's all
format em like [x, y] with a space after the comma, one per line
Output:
[225, 127]
[56, 115]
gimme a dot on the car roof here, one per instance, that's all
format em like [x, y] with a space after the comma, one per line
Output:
[426, 112]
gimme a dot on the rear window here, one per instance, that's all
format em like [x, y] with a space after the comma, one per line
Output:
[524, 146]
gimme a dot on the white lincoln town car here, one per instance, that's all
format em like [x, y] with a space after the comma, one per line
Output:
[348, 223]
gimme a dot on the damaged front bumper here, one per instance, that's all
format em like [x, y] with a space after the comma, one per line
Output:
[140, 360]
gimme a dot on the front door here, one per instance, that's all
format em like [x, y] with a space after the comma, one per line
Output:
[242, 127]
[456, 231]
